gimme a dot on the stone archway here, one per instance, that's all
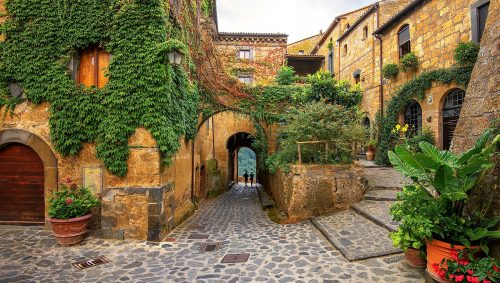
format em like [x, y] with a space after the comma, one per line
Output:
[233, 144]
[42, 149]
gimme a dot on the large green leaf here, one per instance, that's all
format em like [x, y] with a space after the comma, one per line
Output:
[419, 165]
[401, 166]
[441, 157]
[447, 184]
[478, 147]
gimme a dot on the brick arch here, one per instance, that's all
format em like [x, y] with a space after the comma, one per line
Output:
[10, 136]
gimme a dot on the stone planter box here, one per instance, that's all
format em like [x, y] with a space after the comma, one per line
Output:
[312, 190]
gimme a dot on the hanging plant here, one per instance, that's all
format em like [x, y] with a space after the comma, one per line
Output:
[409, 62]
[390, 71]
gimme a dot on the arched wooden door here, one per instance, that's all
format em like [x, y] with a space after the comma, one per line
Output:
[451, 112]
[21, 185]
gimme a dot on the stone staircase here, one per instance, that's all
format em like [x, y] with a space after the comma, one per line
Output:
[363, 231]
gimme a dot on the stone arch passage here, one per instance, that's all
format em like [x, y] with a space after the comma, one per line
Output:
[234, 143]
[42, 149]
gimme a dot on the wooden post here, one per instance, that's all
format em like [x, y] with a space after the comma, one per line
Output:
[300, 156]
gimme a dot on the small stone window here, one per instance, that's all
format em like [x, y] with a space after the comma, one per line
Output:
[89, 67]
[357, 76]
[245, 53]
[301, 52]
[404, 41]
[365, 32]
[245, 79]
[330, 61]
[345, 49]
[347, 26]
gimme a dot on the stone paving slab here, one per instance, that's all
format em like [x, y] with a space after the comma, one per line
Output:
[381, 195]
[384, 178]
[278, 253]
[377, 211]
[355, 236]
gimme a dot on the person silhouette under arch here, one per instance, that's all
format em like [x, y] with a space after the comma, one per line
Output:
[246, 178]
[251, 179]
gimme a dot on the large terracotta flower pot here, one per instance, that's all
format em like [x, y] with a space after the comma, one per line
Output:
[70, 231]
[436, 252]
[370, 154]
[414, 259]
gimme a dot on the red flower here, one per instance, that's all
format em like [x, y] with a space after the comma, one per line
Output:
[73, 186]
[69, 201]
[470, 271]
[486, 281]
[496, 268]
[459, 278]
[454, 254]
[68, 180]
[442, 273]
[435, 267]
[463, 262]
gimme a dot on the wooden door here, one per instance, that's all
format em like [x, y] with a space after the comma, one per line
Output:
[21, 186]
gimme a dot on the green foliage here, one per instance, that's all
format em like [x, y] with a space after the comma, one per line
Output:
[414, 89]
[390, 71]
[286, 76]
[468, 265]
[409, 62]
[71, 201]
[466, 53]
[246, 161]
[326, 88]
[317, 121]
[260, 145]
[330, 45]
[426, 135]
[449, 180]
[144, 90]
[207, 7]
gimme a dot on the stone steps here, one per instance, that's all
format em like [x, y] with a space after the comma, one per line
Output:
[355, 236]
[376, 211]
[381, 194]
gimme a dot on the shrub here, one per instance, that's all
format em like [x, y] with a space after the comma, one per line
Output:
[326, 88]
[466, 53]
[409, 62]
[71, 201]
[426, 135]
[390, 71]
[317, 121]
[286, 76]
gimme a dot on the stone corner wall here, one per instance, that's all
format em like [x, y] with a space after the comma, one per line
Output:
[312, 190]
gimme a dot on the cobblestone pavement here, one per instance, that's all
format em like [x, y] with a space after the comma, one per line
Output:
[277, 253]
[377, 211]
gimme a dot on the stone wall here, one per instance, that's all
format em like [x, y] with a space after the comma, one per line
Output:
[312, 190]
[306, 44]
[482, 101]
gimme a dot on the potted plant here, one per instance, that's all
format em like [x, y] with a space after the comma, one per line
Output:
[409, 62]
[371, 146]
[69, 212]
[467, 266]
[448, 181]
[412, 211]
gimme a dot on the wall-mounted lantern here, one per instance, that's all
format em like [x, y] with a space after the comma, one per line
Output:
[175, 57]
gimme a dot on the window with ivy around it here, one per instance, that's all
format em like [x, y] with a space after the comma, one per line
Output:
[413, 118]
[245, 54]
[245, 79]
[404, 41]
[89, 67]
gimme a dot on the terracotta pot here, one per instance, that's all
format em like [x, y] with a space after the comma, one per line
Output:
[414, 259]
[370, 154]
[436, 252]
[70, 231]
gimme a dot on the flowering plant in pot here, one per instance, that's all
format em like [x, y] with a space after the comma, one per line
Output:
[449, 182]
[467, 266]
[69, 212]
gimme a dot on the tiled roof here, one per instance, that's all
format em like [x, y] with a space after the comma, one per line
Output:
[251, 34]
[305, 56]
[372, 9]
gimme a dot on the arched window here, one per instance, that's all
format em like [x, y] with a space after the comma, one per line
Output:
[413, 117]
[365, 32]
[404, 41]
[451, 112]
[345, 49]
[93, 63]
[366, 122]
[347, 26]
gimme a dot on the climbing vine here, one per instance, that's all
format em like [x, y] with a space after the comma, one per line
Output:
[416, 89]
[144, 90]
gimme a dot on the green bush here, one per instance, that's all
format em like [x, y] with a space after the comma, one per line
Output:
[466, 53]
[426, 135]
[317, 121]
[286, 76]
[326, 88]
[409, 62]
[71, 201]
[390, 71]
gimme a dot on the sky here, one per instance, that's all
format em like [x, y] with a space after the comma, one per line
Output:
[297, 18]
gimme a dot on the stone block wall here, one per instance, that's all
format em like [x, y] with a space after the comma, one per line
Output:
[312, 190]
[306, 44]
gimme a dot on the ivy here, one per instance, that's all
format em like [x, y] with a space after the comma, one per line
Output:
[144, 90]
[416, 89]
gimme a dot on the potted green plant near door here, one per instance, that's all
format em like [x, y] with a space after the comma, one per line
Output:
[69, 212]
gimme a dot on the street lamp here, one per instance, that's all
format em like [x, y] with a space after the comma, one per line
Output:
[175, 57]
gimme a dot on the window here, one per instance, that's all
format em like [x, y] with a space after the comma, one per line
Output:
[357, 79]
[479, 13]
[365, 32]
[347, 26]
[93, 63]
[404, 41]
[245, 54]
[301, 52]
[345, 49]
[413, 117]
[248, 80]
[330, 62]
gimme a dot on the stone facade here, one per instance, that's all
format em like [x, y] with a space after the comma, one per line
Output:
[312, 190]
[267, 55]
[305, 45]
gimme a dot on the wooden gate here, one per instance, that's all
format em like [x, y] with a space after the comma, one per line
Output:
[21, 186]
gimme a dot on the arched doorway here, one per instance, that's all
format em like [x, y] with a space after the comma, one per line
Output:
[451, 112]
[246, 163]
[234, 143]
[413, 118]
[22, 177]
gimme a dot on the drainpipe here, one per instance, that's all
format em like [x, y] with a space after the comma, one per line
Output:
[193, 200]
[381, 88]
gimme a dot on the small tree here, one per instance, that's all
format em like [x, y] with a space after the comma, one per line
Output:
[326, 88]
[286, 76]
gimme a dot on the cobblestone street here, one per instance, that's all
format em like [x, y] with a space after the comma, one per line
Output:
[277, 253]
